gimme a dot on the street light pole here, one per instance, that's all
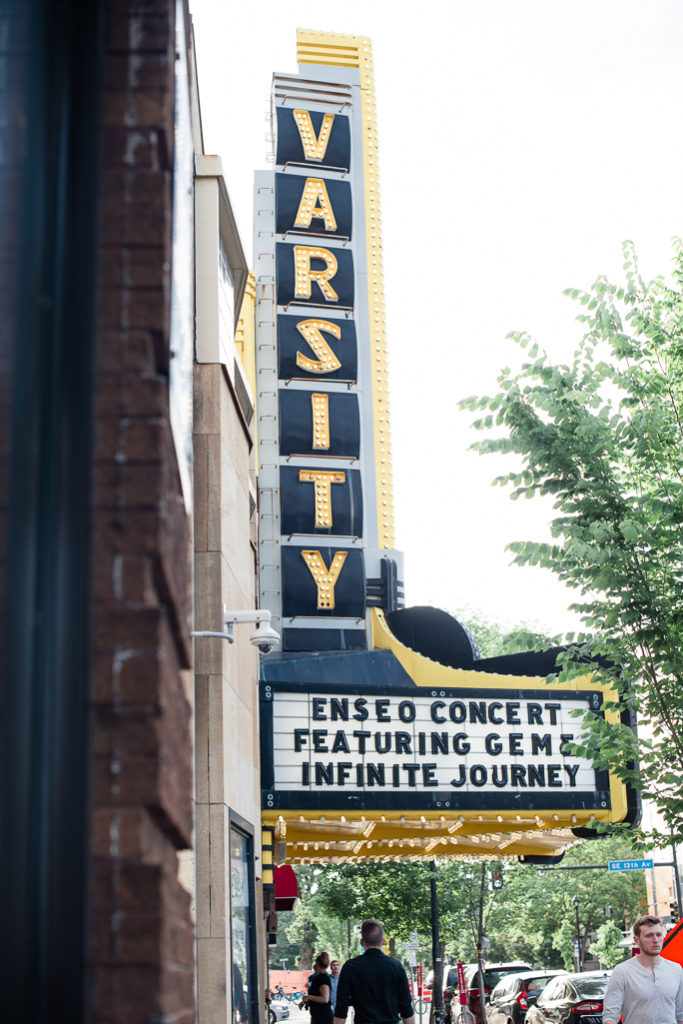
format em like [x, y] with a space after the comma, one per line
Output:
[579, 958]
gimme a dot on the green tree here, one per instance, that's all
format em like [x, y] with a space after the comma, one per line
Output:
[398, 894]
[492, 640]
[532, 917]
[536, 919]
[309, 927]
[602, 436]
[606, 948]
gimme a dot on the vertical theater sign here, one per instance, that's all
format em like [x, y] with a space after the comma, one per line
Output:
[325, 486]
[382, 732]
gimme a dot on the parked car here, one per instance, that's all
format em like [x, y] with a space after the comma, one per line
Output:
[571, 999]
[279, 1010]
[511, 998]
[493, 973]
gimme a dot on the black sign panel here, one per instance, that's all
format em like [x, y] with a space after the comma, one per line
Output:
[327, 138]
[316, 499]
[324, 639]
[342, 416]
[312, 205]
[314, 275]
[301, 594]
[311, 347]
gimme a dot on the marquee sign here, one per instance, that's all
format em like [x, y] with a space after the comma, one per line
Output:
[370, 748]
[416, 749]
[325, 485]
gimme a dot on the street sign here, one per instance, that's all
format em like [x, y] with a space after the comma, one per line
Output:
[629, 865]
[462, 988]
[411, 943]
[412, 957]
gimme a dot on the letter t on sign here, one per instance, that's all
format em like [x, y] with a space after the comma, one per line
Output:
[322, 482]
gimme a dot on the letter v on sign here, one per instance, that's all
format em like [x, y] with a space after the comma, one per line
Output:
[315, 146]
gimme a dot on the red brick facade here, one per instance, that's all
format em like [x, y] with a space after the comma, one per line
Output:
[142, 953]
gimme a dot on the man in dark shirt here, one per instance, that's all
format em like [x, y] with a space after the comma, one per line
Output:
[375, 984]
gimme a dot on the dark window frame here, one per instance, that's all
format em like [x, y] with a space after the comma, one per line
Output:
[245, 830]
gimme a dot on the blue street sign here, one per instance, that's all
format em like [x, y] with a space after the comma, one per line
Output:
[629, 865]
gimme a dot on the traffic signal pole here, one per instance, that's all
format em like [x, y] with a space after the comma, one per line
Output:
[677, 881]
[437, 983]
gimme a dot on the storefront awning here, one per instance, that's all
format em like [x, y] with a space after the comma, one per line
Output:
[286, 888]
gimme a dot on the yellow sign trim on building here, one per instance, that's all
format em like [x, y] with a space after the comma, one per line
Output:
[356, 52]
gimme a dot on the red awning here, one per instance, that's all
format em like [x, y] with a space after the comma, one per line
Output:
[286, 888]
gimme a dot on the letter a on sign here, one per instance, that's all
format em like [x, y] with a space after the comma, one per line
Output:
[323, 577]
[315, 204]
[314, 145]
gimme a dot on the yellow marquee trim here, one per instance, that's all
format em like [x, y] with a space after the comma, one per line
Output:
[425, 672]
[356, 51]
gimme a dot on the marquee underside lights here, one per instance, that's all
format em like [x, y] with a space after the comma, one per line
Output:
[354, 836]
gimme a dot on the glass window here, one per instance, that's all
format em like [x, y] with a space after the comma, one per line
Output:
[242, 928]
[226, 303]
[501, 989]
[591, 986]
[182, 283]
[536, 985]
[549, 992]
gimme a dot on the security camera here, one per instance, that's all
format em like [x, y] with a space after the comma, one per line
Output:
[265, 638]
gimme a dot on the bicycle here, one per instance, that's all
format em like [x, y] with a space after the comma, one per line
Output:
[292, 997]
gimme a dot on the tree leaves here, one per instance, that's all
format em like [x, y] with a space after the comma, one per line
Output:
[603, 437]
[531, 917]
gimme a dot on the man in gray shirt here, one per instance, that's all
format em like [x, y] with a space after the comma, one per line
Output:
[645, 989]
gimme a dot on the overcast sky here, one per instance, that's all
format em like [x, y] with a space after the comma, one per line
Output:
[521, 141]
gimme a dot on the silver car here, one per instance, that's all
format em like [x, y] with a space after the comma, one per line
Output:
[279, 1010]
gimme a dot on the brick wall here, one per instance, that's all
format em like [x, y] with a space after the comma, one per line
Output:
[142, 939]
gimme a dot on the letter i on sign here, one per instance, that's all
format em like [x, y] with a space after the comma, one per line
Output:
[321, 420]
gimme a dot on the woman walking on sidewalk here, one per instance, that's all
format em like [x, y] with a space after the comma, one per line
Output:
[318, 996]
